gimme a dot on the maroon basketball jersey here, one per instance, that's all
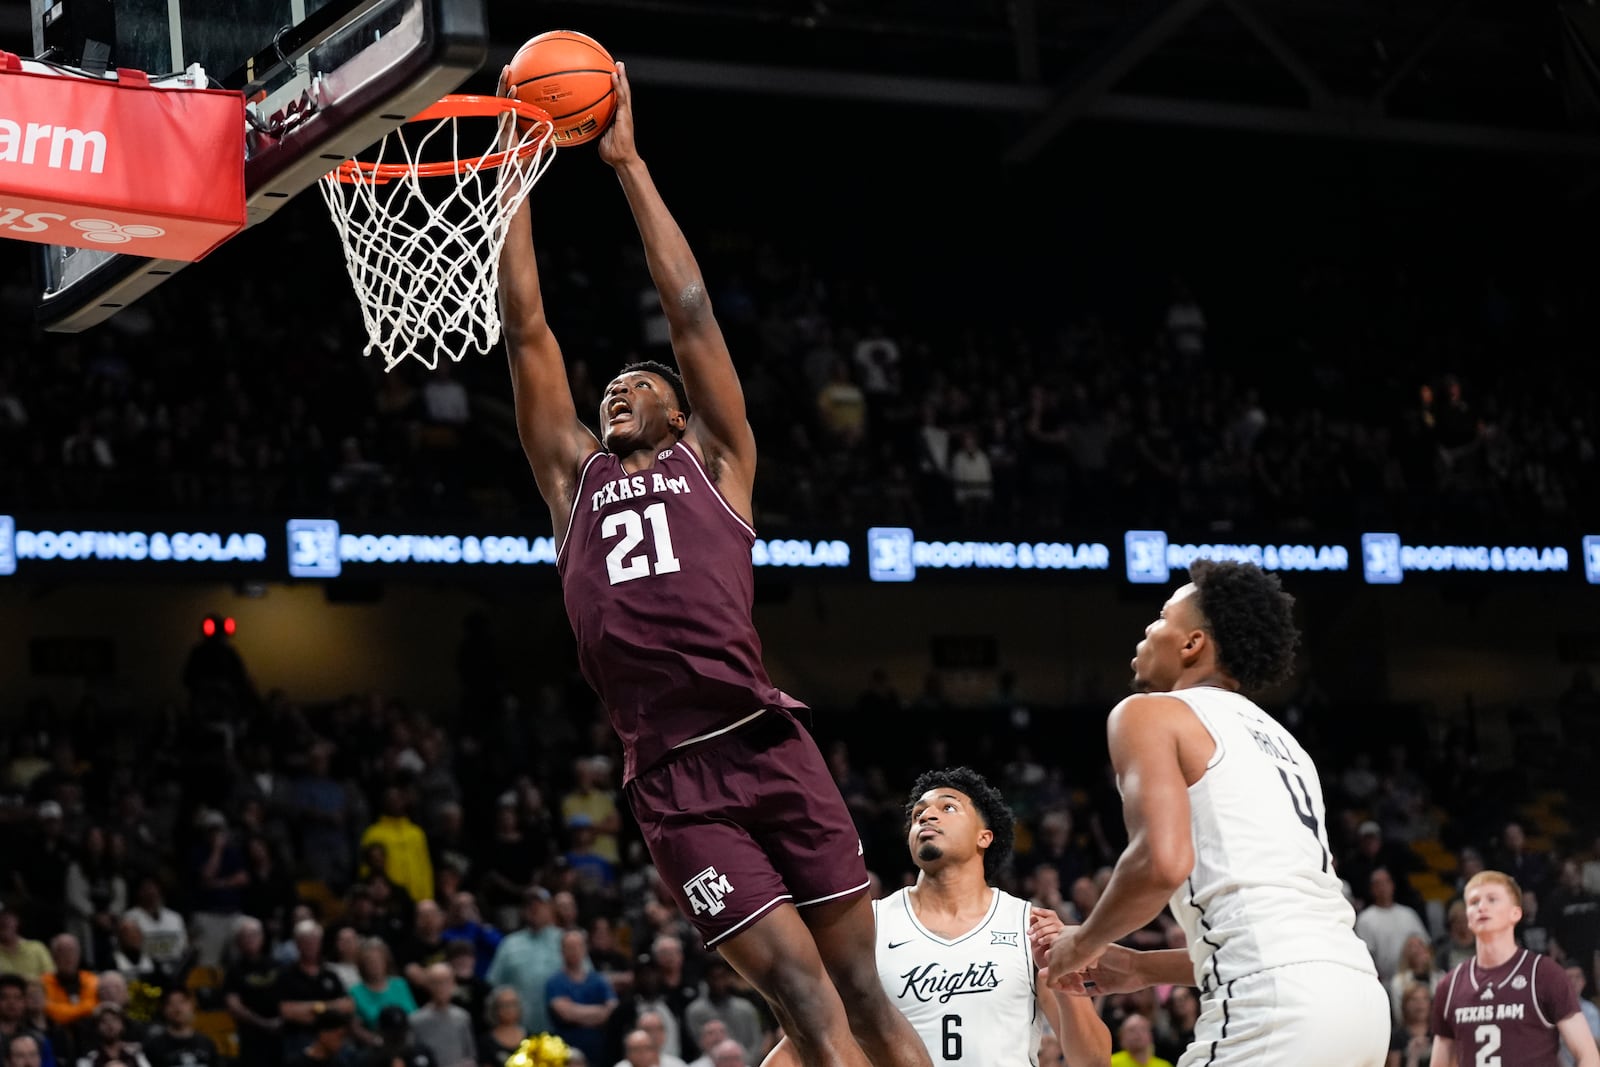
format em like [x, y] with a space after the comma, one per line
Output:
[655, 571]
[1506, 1014]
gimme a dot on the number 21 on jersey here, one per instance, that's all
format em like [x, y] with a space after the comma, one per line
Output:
[627, 560]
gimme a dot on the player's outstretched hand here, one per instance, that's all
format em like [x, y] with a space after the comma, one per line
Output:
[616, 144]
[1117, 971]
[1070, 954]
[1043, 927]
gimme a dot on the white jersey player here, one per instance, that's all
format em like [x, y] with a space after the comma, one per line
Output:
[1226, 825]
[973, 998]
[954, 953]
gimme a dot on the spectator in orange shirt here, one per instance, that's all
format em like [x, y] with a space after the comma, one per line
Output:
[70, 994]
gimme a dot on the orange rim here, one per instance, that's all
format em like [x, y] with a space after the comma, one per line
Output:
[451, 107]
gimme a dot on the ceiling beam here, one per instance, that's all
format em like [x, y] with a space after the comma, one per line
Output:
[1132, 42]
[1351, 126]
[1436, 33]
[817, 84]
[1286, 56]
[970, 96]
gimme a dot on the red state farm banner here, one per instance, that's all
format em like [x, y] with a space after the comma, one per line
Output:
[119, 166]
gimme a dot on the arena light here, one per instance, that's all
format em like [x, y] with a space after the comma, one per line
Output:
[214, 625]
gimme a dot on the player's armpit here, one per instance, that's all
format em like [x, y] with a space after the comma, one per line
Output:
[721, 428]
[1143, 734]
[553, 438]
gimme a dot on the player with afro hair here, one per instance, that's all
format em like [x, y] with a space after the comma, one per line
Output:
[1251, 619]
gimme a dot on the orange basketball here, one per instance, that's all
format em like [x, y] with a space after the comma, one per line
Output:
[569, 75]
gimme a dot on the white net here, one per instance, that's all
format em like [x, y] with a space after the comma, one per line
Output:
[425, 270]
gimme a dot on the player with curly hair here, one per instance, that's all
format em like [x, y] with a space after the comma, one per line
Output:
[954, 951]
[1226, 825]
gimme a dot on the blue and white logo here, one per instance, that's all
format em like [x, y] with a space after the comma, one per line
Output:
[1591, 557]
[8, 551]
[1380, 558]
[1147, 556]
[313, 548]
[889, 554]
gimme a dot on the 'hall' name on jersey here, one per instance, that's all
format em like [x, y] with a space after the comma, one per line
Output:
[1486, 1013]
[1272, 746]
[933, 981]
[628, 488]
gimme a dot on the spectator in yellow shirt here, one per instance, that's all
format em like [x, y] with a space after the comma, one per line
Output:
[1138, 1040]
[404, 844]
[70, 994]
[19, 955]
[591, 798]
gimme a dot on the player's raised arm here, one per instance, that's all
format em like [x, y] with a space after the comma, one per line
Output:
[553, 438]
[719, 426]
[1142, 735]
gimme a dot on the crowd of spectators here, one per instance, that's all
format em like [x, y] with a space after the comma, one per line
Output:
[355, 883]
[1372, 399]
[273, 882]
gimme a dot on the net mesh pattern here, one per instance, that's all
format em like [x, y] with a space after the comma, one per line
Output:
[426, 268]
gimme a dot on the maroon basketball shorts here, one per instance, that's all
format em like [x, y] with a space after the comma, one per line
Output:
[741, 823]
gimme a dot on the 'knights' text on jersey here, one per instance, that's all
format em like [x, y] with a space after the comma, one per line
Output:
[973, 999]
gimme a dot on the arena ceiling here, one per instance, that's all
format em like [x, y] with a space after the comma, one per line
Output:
[1512, 75]
[1495, 74]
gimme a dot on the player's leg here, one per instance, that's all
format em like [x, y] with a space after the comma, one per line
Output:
[696, 814]
[846, 936]
[776, 955]
[806, 828]
[782, 1055]
[876, 1023]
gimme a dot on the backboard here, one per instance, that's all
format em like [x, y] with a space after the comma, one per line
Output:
[323, 79]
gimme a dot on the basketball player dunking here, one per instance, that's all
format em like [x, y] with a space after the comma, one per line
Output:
[735, 802]
[1226, 824]
[954, 951]
[1505, 1005]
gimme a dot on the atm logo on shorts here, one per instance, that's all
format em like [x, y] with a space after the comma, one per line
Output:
[706, 890]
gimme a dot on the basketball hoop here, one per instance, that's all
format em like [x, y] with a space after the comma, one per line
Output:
[425, 270]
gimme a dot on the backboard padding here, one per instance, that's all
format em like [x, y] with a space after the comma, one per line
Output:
[366, 64]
